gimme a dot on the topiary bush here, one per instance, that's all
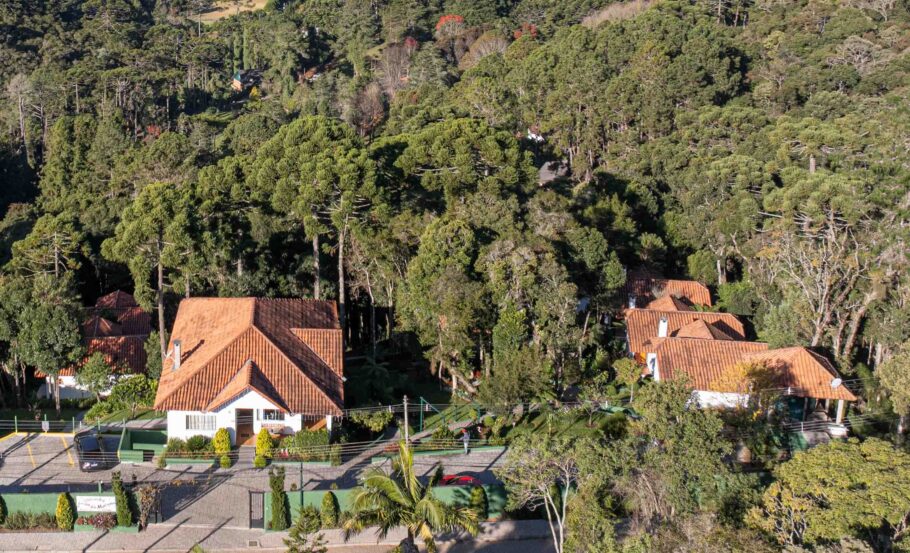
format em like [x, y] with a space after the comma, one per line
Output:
[124, 514]
[222, 441]
[225, 461]
[264, 444]
[259, 462]
[329, 511]
[65, 514]
[279, 500]
[479, 503]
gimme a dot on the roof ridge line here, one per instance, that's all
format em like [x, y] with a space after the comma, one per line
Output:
[293, 364]
[204, 365]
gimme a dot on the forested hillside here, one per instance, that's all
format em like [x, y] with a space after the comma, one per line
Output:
[471, 180]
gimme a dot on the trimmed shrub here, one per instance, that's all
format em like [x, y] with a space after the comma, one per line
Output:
[259, 462]
[225, 461]
[304, 445]
[198, 443]
[329, 510]
[124, 514]
[479, 503]
[279, 499]
[222, 441]
[64, 513]
[263, 443]
[30, 521]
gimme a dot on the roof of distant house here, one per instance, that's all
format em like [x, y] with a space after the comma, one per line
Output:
[704, 363]
[287, 350]
[646, 286]
[642, 325]
[669, 303]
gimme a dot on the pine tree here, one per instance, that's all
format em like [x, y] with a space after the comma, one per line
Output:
[279, 499]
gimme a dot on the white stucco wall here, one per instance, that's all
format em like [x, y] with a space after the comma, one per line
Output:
[226, 417]
[722, 400]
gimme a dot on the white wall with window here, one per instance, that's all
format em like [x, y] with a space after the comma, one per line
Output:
[183, 424]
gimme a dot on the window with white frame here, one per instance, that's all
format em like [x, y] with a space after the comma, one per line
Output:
[272, 415]
[200, 422]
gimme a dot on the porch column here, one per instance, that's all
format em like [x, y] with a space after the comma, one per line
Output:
[328, 423]
[840, 411]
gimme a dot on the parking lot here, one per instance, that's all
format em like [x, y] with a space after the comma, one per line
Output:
[44, 459]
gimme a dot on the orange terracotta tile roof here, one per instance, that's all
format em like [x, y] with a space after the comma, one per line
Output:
[669, 303]
[126, 354]
[702, 329]
[704, 362]
[642, 324]
[99, 326]
[806, 371]
[646, 286]
[118, 299]
[288, 350]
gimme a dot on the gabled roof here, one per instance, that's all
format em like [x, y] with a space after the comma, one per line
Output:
[805, 371]
[118, 299]
[642, 325]
[99, 326]
[646, 286]
[287, 350]
[126, 354]
[704, 362]
[669, 303]
[702, 329]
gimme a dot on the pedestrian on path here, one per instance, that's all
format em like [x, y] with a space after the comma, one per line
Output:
[465, 439]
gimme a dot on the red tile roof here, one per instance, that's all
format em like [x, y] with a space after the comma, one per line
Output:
[669, 303]
[642, 324]
[118, 299]
[702, 329]
[288, 350]
[704, 363]
[806, 371]
[646, 286]
[126, 354]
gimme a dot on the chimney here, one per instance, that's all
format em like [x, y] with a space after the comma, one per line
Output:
[176, 355]
[662, 327]
[632, 301]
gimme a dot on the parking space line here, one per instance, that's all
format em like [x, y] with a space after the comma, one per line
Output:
[30, 456]
[67, 449]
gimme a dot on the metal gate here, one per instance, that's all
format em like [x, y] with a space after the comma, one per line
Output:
[257, 510]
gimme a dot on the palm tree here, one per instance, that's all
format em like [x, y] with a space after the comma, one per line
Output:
[399, 499]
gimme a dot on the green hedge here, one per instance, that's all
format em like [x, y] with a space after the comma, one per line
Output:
[497, 498]
[41, 502]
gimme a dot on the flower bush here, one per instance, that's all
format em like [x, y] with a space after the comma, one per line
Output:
[101, 521]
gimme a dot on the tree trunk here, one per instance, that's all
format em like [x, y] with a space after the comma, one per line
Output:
[160, 300]
[341, 239]
[721, 272]
[317, 292]
[56, 394]
[407, 545]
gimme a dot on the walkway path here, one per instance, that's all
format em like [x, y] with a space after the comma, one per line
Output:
[497, 537]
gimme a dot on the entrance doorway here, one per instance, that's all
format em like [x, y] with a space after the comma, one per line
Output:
[244, 425]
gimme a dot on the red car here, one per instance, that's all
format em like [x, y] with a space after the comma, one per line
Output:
[458, 480]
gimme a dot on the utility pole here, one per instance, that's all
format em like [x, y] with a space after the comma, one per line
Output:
[407, 438]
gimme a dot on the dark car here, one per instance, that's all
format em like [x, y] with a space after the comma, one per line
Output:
[92, 453]
[458, 480]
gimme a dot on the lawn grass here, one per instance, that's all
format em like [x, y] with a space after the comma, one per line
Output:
[125, 415]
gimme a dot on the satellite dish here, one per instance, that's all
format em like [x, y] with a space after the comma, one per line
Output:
[836, 382]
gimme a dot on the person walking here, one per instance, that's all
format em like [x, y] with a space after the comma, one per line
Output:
[465, 439]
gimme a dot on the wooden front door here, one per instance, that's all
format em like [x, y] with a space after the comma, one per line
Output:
[244, 426]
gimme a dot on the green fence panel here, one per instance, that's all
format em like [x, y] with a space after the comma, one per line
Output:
[451, 495]
[38, 502]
